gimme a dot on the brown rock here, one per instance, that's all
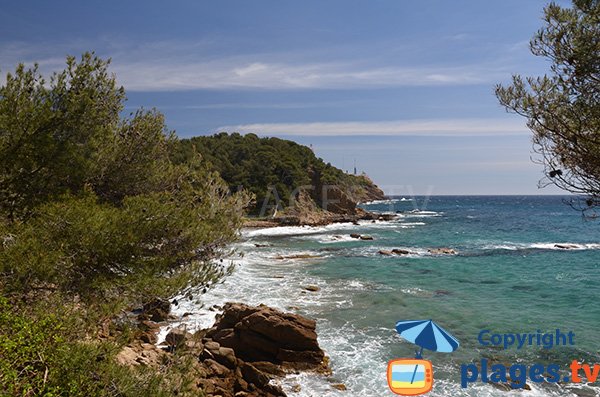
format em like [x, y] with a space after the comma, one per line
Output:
[225, 356]
[215, 368]
[312, 288]
[269, 368]
[177, 336]
[157, 310]
[339, 386]
[260, 333]
[143, 354]
[253, 375]
[363, 237]
[385, 252]
[354, 235]
[442, 251]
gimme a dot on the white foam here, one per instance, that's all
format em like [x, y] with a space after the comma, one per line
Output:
[389, 201]
[560, 246]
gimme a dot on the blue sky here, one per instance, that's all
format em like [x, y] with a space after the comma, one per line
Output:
[403, 87]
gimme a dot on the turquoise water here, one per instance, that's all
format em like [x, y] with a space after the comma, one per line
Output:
[508, 277]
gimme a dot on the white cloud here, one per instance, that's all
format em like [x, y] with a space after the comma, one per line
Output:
[444, 127]
[179, 66]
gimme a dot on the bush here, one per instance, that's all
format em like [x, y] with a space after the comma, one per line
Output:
[151, 245]
[43, 353]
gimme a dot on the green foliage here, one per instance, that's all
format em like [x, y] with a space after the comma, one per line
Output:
[43, 352]
[50, 132]
[563, 108]
[260, 164]
[92, 202]
[94, 211]
[90, 248]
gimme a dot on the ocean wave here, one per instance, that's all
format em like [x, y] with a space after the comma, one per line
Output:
[388, 201]
[559, 246]
[285, 231]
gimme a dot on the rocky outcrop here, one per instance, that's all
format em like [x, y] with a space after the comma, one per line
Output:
[260, 333]
[247, 347]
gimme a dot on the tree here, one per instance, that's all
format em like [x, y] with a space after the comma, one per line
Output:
[91, 202]
[563, 107]
[50, 131]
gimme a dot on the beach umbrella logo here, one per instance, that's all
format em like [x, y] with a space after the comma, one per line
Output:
[412, 377]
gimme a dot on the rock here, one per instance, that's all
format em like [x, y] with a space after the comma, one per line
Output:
[148, 337]
[339, 386]
[127, 356]
[354, 235]
[215, 368]
[312, 288]
[211, 345]
[366, 237]
[566, 246]
[157, 310]
[385, 252]
[442, 251]
[398, 251]
[296, 388]
[149, 331]
[142, 354]
[225, 356]
[269, 368]
[297, 256]
[252, 375]
[260, 333]
[177, 336]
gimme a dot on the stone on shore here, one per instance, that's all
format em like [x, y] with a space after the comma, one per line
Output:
[261, 333]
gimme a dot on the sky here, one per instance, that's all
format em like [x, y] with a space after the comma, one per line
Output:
[403, 88]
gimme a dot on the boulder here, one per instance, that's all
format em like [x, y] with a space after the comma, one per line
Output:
[385, 252]
[261, 333]
[398, 251]
[157, 310]
[177, 336]
[354, 235]
[364, 237]
[140, 354]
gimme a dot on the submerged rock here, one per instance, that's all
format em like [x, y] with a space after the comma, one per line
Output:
[442, 251]
[566, 246]
[398, 251]
[312, 288]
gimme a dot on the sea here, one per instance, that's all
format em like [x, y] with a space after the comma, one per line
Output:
[509, 275]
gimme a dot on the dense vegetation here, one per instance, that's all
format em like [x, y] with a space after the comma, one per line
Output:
[270, 168]
[563, 107]
[94, 217]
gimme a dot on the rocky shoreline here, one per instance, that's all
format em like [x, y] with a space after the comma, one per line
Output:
[245, 353]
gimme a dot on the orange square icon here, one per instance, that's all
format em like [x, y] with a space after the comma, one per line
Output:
[409, 376]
